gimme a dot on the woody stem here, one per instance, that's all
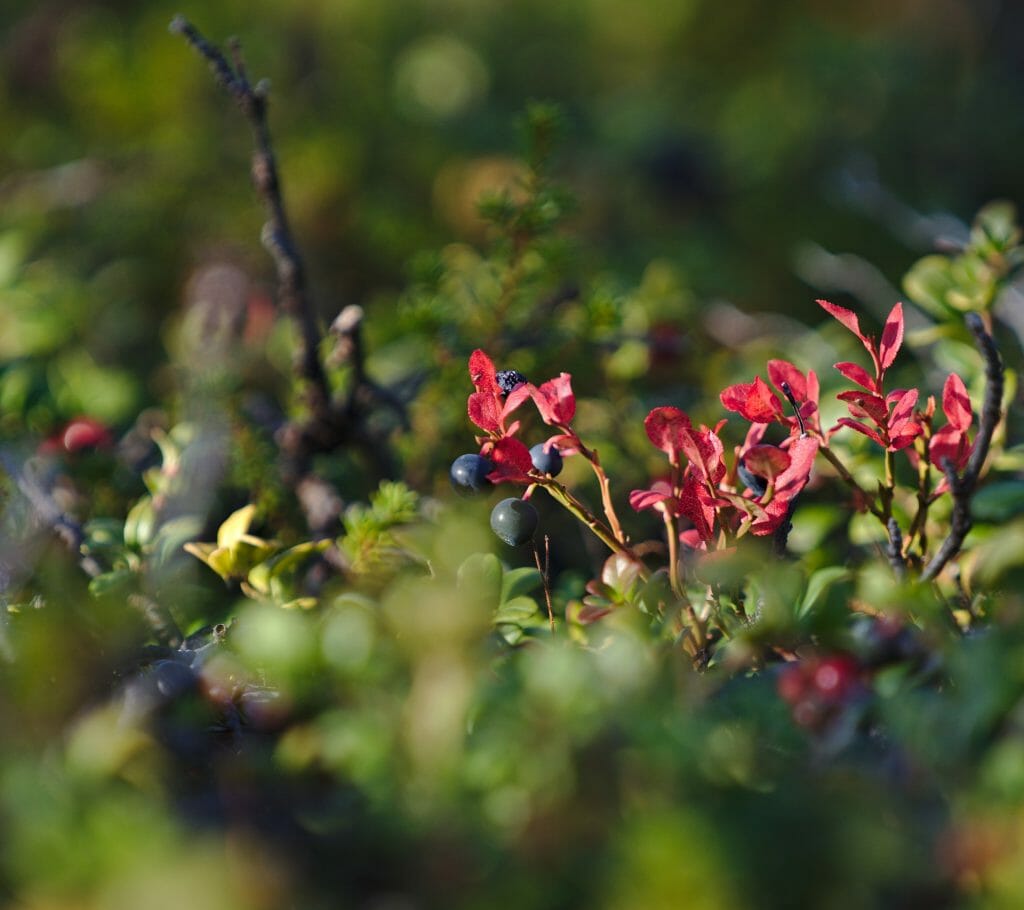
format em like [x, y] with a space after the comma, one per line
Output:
[600, 530]
[605, 487]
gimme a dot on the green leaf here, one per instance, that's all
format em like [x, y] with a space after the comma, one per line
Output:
[999, 501]
[289, 560]
[518, 610]
[480, 576]
[517, 582]
[819, 584]
[172, 535]
[235, 526]
[620, 573]
[995, 227]
[928, 282]
[222, 561]
[656, 592]
[119, 582]
[140, 523]
[259, 578]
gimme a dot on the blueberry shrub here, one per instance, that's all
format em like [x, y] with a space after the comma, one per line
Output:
[515, 583]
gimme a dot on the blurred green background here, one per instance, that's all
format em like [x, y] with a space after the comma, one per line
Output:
[728, 161]
[740, 145]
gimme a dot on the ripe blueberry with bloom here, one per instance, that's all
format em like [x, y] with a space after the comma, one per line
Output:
[514, 521]
[469, 473]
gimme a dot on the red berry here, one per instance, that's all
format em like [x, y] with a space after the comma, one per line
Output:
[86, 433]
[78, 435]
[835, 676]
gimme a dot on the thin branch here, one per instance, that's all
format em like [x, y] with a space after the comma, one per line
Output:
[962, 488]
[329, 424]
[51, 515]
[545, 577]
[72, 535]
[277, 235]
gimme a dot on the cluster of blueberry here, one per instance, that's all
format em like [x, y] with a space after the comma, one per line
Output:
[514, 520]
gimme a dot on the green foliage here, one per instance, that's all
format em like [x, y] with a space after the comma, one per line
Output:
[206, 703]
[972, 279]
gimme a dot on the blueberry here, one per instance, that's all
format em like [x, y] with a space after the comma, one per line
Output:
[173, 679]
[514, 521]
[509, 380]
[469, 474]
[547, 462]
[753, 482]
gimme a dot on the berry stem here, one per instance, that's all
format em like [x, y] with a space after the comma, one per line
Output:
[544, 577]
[561, 495]
[604, 484]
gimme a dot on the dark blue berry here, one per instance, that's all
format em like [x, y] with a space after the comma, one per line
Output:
[514, 521]
[753, 482]
[469, 474]
[509, 380]
[547, 462]
[173, 679]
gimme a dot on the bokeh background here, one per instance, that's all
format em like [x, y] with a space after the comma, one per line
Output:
[729, 163]
[748, 147]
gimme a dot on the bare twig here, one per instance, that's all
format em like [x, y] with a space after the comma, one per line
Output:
[329, 424]
[545, 577]
[277, 235]
[961, 488]
[50, 514]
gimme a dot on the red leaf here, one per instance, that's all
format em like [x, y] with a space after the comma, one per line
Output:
[845, 316]
[482, 373]
[956, 403]
[766, 461]
[484, 409]
[849, 319]
[516, 397]
[696, 504]
[905, 435]
[788, 484]
[692, 539]
[949, 442]
[511, 461]
[904, 409]
[665, 428]
[860, 428]
[782, 371]
[892, 337]
[871, 406]
[555, 400]
[704, 451]
[754, 400]
[660, 491]
[856, 373]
